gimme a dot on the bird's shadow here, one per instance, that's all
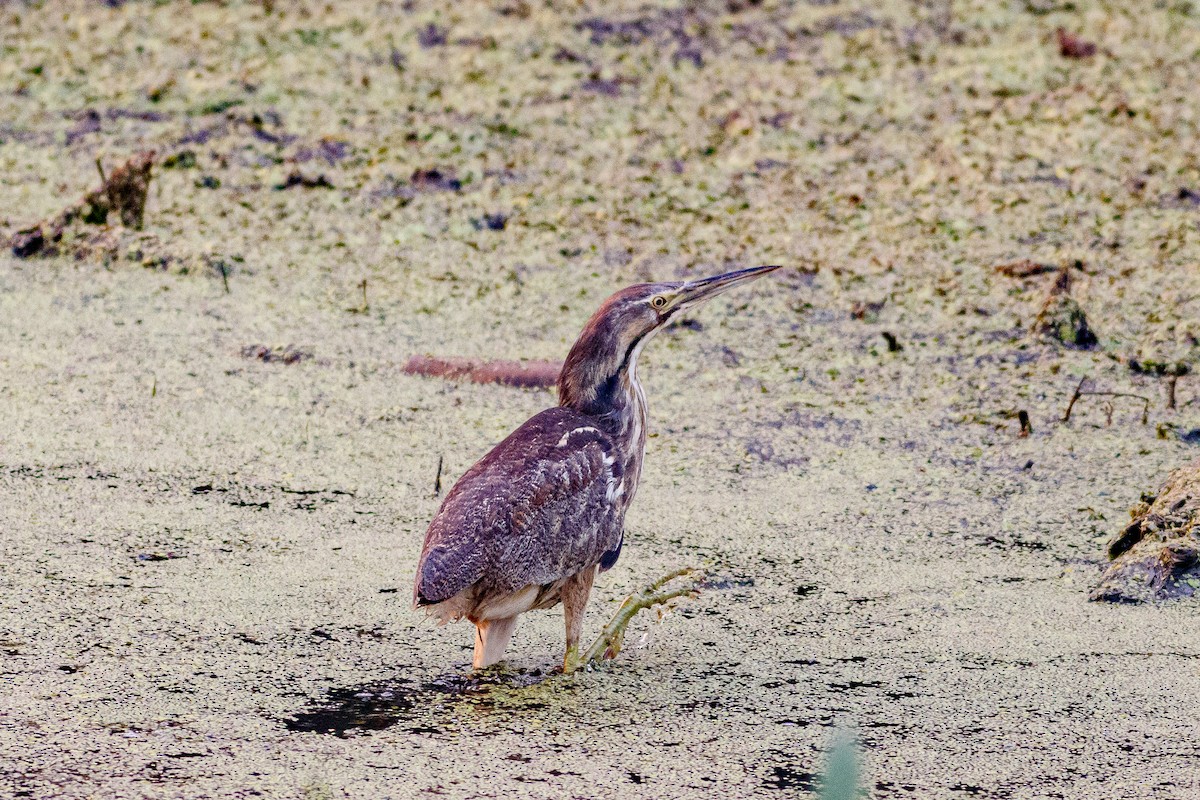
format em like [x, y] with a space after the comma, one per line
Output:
[420, 704]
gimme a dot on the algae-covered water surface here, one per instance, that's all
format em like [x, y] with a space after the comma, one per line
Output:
[216, 472]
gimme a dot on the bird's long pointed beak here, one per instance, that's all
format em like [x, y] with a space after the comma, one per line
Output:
[695, 292]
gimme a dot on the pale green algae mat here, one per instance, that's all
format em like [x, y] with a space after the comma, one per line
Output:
[205, 557]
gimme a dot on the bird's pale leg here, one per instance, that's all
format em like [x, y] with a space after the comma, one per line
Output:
[574, 596]
[609, 642]
[491, 639]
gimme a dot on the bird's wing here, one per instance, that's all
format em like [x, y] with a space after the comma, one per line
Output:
[537, 508]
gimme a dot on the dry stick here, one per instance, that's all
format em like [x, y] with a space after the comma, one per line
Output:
[1075, 396]
[612, 636]
[1145, 401]
[1171, 391]
[1080, 393]
[437, 480]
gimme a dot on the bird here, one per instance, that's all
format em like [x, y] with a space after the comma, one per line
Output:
[534, 520]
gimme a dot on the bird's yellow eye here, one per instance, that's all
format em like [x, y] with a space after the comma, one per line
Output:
[658, 301]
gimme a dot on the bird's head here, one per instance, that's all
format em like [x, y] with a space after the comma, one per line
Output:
[612, 339]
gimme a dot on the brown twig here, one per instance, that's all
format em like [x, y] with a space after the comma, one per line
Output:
[1079, 393]
[1145, 401]
[1024, 268]
[1171, 370]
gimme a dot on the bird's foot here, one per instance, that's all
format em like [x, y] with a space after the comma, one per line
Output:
[571, 659]
[612, 635]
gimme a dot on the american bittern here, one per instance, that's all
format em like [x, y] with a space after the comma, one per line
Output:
[534, 520]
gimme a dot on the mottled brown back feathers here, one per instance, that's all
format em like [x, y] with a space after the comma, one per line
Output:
[532, 511]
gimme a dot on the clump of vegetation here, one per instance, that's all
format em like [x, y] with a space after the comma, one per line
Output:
[1062, 318]
[1157, 555]
[288, 354]
[123, 193]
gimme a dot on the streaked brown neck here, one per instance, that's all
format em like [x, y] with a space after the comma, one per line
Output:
[601, 381]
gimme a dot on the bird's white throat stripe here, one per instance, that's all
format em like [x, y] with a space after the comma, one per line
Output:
[566, 436]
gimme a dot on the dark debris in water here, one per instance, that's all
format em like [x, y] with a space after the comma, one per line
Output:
[609, 87]
[431, 36]
[297, 178]
[1185, 197]
[491, 222]
[156, 556]
[720, 582]
[329, 150]
[1073, 46]
[288, 354]
[375, 706]
[695, 31]
[1012, 543]
[371, 707]
[788, 777]
[435, 180]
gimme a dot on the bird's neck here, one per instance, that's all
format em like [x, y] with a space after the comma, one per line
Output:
[610, 392]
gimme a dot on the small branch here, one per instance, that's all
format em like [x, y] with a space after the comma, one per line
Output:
[1079, 394]
[1074, 397]
[1171, 370]
[437, 480]
[612, 636]
[1145, 401]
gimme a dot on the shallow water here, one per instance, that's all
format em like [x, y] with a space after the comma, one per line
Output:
[207, 556]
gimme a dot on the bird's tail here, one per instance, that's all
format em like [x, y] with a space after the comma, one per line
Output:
[491, 639]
